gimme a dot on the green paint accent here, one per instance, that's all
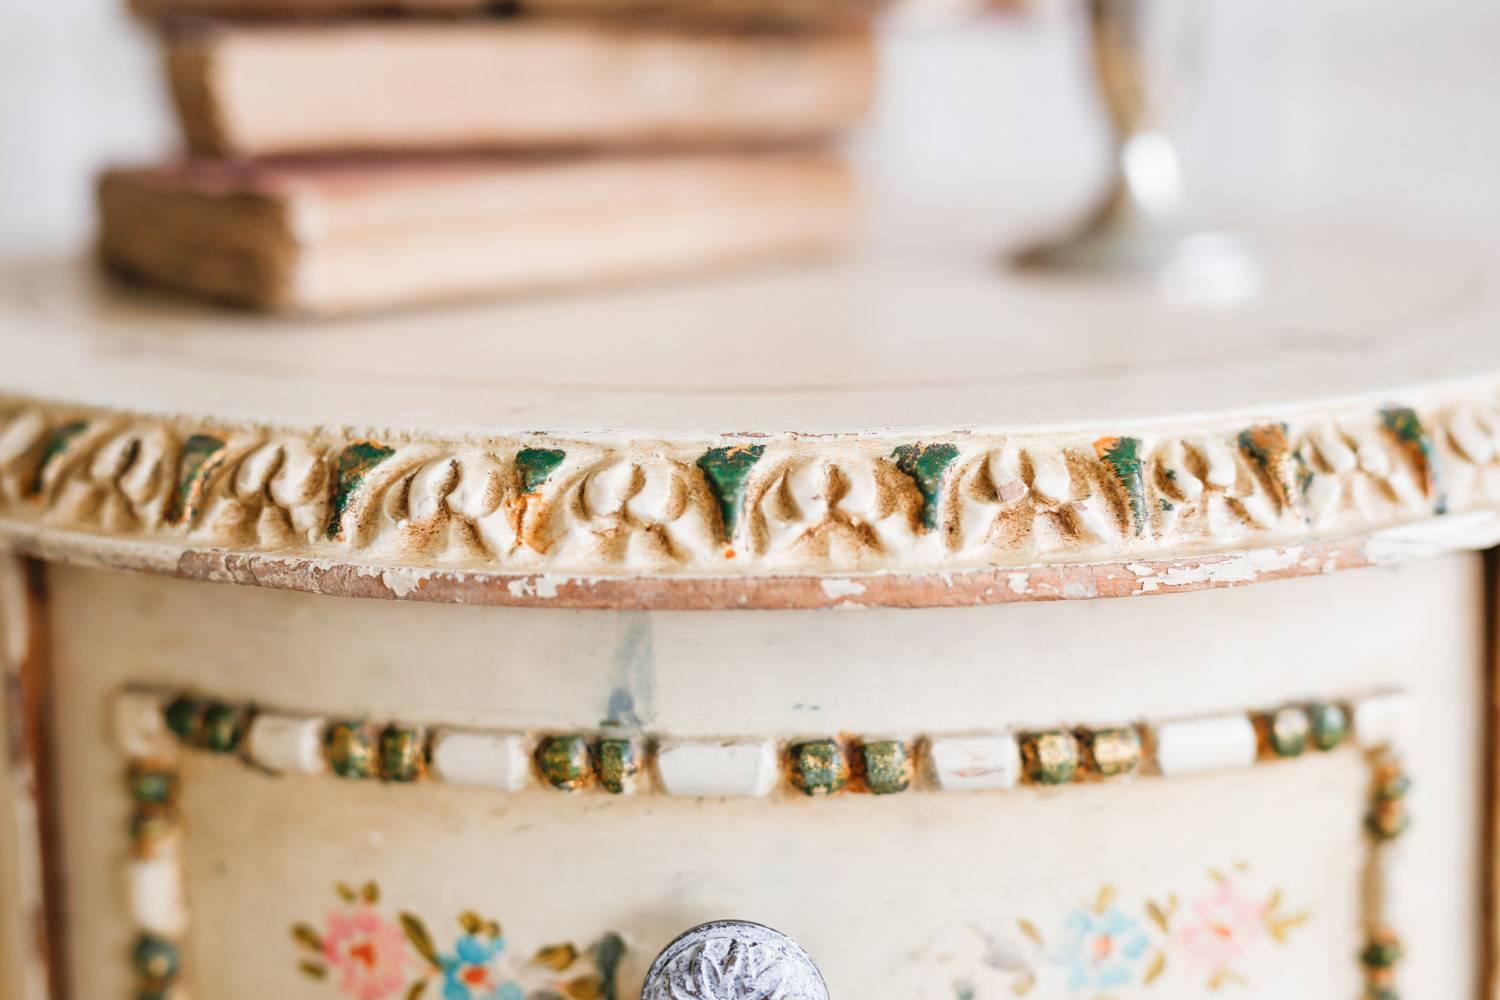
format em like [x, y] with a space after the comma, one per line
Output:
[57, 442]
[609, 953]
[1406, 427]
[1269, 447]
[403, 754]
[1330, 725]
[926, 464]
[155, 959]
[222, 728]
[1114, 752]
[619, 763]
[819, 767]
[1166, 504]
[564, 762]
[1388, 820]
[184, 717]
[1051, 758]
[726, 470]
[149, 826]
[201, 457]
[350, 750]
[536, 464]
[152, 786]
[1394, 788]
[1383, 953]
[1123, 456]
[1288, 731]
[887, 765]
[355, 462]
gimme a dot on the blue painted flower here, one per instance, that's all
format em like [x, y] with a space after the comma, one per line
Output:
[1101, 949]
[470, 973]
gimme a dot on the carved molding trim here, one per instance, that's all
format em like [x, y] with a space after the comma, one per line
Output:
[749, 506]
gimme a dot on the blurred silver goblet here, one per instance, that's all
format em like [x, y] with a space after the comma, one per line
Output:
[1146, 58]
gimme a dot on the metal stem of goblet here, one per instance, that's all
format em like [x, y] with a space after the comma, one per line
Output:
[1145, 57]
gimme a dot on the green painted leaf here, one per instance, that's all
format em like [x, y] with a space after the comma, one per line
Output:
[536, 465]
[727, 470]
[926, 464]
[416, 933]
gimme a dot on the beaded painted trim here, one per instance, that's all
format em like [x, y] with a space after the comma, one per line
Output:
[154, 729]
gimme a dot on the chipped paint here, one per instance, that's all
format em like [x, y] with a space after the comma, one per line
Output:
[837, 589]
[1242, 568]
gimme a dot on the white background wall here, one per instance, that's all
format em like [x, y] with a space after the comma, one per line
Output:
[1336, 104]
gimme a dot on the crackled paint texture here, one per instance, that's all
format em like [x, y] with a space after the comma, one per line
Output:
[354, 463]
[926, 464]
[202, 455]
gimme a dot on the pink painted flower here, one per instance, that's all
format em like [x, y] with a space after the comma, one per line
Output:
[1220, 927]
[368, 953]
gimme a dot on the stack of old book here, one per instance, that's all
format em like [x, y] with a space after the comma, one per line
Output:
[347, 155]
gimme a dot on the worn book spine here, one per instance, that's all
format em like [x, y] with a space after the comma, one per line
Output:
[333, 237]
[257, 90]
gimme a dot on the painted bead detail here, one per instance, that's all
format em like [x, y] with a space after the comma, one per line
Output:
[1287, 732]
[350, 748]
[887, 766]
[819, 767]
[155, 959]
[222, 728]
[1050, 758]
[1383, 951]
[619, 765]
[403, 754]
[153, 786]
[185, 719]
[1114, 752]
[1330, 724]
[1389, 818]
[564, 762]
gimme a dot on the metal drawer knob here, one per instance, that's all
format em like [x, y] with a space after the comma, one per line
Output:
[733, 960]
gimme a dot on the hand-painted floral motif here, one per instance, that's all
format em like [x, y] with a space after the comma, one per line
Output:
[1101, 948]
[372, 958]
[1109, 948]
[366, 953]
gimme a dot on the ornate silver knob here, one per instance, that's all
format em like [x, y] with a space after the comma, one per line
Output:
[733, 960]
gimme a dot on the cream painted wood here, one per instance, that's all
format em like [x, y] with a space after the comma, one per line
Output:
[876, 887]
[24, 960]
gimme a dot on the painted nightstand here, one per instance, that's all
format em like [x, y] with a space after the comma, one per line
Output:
[985, 636]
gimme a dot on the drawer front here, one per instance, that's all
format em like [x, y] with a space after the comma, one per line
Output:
[315, 798]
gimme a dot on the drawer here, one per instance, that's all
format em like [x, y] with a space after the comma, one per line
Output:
[274, 794]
